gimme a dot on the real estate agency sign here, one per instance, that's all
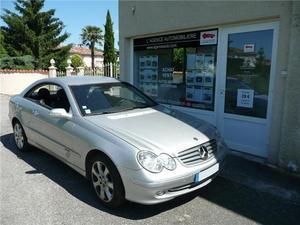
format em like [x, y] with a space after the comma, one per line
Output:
[178, 40]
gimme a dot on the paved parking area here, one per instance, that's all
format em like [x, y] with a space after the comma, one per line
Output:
[38, 189]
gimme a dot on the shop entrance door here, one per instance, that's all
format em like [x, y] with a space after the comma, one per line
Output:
[246, 58]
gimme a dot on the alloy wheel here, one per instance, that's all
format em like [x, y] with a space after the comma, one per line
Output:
[19, 136]
[102, 181]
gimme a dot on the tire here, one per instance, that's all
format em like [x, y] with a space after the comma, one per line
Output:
[20, 137]
[107, 183]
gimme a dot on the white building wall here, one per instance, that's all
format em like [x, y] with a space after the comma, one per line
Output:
[88, 61]
[15, 83]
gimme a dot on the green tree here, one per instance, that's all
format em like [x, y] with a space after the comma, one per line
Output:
[109, 41]
[76, 60]
[31, 31]
[2, 49]
[91, 36]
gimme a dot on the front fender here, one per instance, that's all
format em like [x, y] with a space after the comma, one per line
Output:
[89, 137]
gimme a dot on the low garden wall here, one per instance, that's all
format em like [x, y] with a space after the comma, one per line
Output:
[13, 82]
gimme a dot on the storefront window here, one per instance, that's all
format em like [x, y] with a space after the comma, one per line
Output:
[200, 76]
[248, 73]
[183, 76]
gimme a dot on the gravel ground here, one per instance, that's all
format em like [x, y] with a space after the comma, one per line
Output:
[38, 189]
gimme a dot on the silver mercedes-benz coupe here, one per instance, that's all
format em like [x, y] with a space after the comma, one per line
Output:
[126, 144]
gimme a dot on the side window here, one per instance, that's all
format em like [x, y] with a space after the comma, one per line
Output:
[50, 96]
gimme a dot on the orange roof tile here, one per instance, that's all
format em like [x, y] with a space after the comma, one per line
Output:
[84, 51]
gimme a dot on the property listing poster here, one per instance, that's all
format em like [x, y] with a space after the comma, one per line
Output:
[148, 74]
[200, 78]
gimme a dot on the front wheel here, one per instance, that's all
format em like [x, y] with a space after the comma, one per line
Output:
[107, 182]
[20, 137]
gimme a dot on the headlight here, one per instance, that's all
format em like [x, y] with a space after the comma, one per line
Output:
[167, 161]
[149, 161]
[154, 163]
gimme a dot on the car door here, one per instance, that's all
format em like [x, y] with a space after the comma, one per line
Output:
[52, 134]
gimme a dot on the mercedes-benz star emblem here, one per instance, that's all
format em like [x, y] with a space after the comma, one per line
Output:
[203, 153]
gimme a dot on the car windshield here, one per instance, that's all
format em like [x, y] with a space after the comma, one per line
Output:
[104, 98]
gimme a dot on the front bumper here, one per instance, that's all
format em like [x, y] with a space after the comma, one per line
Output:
[168, 186]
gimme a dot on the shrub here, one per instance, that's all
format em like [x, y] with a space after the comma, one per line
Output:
[76, 61]
[20, 62]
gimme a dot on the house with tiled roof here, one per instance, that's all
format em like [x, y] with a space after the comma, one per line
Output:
[85, 53]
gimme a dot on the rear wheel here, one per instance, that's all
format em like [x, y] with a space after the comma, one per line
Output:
[20, 137]
[106, 181]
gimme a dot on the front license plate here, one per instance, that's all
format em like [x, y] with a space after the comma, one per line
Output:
[206, 173]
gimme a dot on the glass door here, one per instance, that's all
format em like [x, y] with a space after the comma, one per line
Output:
[249, 59]
[246, 80]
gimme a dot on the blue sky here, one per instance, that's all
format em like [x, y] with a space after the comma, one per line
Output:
[76, 14]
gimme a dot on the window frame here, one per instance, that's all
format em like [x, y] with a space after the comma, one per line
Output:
[31, 90]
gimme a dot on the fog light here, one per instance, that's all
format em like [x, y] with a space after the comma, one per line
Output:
[160, 193]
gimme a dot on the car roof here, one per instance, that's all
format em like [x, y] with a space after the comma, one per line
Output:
[80, 80]
[72, 81]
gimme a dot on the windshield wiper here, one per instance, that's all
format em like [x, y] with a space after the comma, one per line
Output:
[121, 110]
[100, 113]
[134, 107]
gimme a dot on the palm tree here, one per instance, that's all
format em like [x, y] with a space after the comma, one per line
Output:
[90, 36]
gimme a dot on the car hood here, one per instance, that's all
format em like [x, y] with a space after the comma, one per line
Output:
[158, 129]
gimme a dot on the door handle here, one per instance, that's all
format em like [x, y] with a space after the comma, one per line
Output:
[222, 92]
[35, 112]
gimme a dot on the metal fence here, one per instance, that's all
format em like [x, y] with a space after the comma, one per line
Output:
[60, 73]
[108, 70]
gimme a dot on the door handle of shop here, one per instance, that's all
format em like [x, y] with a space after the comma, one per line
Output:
[222, 91]
[35, 112]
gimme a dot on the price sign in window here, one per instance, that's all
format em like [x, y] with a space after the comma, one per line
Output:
[245, 98]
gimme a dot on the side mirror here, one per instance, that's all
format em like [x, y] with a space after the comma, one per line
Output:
[60, 113]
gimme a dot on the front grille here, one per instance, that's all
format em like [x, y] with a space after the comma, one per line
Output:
[192, 156]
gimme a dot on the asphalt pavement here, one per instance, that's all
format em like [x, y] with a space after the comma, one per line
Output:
[36, 188]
